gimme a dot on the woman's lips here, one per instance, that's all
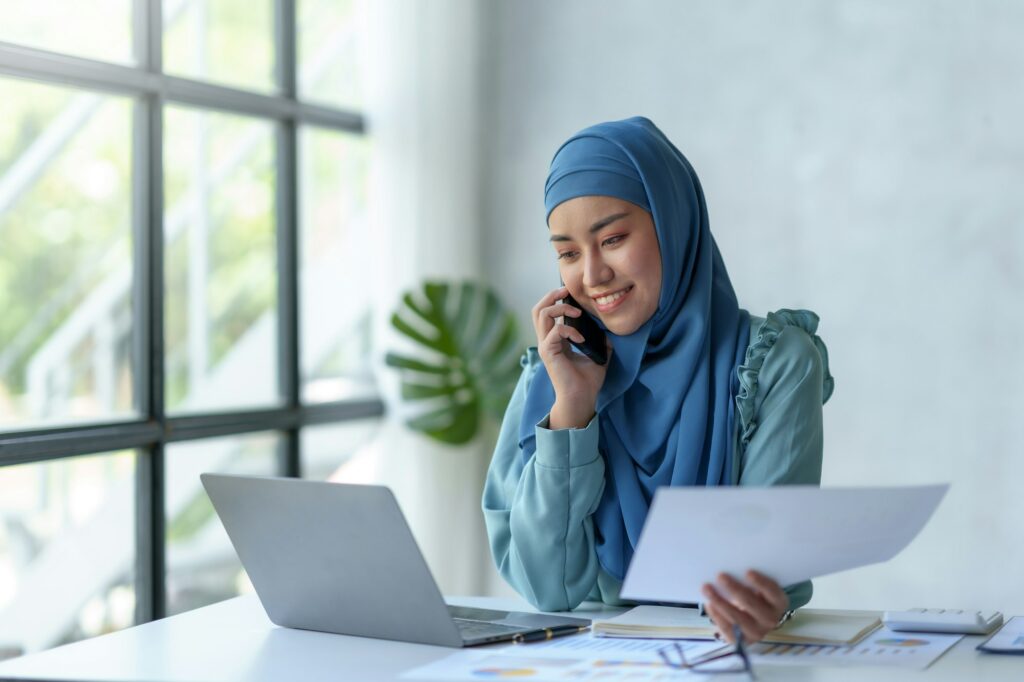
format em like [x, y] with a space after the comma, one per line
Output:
[608, 307]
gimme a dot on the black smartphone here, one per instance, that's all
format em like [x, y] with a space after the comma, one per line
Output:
[594, 345]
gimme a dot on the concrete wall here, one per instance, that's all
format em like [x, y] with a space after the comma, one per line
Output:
[864, 159]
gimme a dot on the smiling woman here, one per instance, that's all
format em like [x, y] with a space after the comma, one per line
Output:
[696, 391]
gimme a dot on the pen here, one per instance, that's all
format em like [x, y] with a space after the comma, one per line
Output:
[547, 633]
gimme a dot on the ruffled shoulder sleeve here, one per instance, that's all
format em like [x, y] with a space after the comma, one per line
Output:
[764, 332]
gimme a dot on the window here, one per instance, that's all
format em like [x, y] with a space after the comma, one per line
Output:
[220, 260]
[76, 512]
[335, 319]
[328, 451]
[65, 244]
[182, 194]
[99, 29]
[201, 565]
[224, 41]
[329, 56]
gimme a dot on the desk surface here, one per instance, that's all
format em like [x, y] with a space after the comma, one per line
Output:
[234, 640]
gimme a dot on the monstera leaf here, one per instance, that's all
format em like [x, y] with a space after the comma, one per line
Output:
[468, 359]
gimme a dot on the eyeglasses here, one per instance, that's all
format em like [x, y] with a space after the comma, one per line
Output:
[699, 665]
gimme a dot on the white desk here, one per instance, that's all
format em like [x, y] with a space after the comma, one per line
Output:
[234, 640]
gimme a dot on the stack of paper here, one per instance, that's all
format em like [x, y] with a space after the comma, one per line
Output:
[807, 626]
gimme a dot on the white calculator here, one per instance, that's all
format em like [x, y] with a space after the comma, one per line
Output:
[943, 620]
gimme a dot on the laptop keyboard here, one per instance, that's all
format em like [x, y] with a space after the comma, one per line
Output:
[472, 629]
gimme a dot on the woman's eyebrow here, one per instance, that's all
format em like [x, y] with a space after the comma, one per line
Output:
[599, 225]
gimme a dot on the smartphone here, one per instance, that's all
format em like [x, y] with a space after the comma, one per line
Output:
[594, 345]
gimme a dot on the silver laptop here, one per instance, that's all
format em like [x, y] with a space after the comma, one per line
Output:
[340, 558]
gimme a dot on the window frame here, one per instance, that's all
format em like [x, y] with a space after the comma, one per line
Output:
[152, 429]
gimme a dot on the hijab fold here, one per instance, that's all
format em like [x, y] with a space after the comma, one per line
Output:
[666, 408]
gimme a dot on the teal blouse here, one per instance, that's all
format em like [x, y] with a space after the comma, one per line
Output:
[538, 514]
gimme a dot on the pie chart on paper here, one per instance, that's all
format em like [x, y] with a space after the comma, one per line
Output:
[503, 673]
[902, 642]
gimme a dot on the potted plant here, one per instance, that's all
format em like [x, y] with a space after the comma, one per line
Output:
[468, 359]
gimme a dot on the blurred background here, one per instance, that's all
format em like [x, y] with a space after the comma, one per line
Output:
[209, 210]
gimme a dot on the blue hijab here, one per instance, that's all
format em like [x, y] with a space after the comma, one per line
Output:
[666, 405]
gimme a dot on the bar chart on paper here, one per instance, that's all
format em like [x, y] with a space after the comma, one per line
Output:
[884, 647]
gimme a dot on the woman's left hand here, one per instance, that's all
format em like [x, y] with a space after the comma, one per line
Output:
[756, 606]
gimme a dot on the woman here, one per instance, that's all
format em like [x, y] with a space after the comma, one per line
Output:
[695, 390]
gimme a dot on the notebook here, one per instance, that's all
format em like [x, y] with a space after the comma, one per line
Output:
[807, 626]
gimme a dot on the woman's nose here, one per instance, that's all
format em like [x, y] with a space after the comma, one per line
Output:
[595, 271]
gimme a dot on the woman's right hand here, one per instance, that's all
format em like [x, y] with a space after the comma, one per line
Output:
[575, 377]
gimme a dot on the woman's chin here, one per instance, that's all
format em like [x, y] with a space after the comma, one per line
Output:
[620, 327]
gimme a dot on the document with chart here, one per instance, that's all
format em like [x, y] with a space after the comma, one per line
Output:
[884, 647]
[789, 533]
[577, 657]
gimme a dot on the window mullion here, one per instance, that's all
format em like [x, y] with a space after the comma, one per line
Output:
[285, 48]
[288, 336]
[151, 531]
[148, 317]
[289, 381]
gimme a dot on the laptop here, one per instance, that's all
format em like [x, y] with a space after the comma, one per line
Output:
[340, 558]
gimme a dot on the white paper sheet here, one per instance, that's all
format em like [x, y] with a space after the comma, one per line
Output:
[790, 533]
[564, 658]
[608, 649]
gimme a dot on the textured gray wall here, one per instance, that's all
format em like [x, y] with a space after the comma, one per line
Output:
[864, 159]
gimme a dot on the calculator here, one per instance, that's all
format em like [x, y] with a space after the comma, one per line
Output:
[943, 620]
